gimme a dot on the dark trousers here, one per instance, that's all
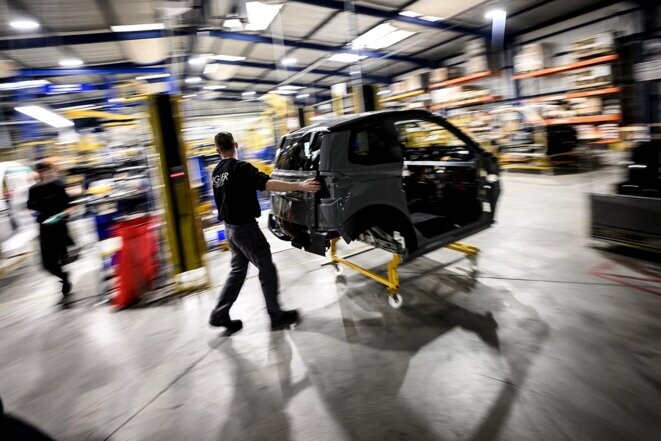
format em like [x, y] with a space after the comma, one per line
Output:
[53, 242]
[248, 245]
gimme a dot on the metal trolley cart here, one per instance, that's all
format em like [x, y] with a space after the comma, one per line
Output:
[391, 282]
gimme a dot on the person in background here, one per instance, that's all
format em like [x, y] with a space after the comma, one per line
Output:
[49, 199]
[235, 185]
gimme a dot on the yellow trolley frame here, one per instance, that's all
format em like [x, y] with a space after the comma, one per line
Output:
[391, 282]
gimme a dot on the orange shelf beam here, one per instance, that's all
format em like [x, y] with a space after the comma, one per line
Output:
[402, 96]
[604, 141]
[584, 119]
[462, 80]
[567, 67]
[566, 96]
[480, 100]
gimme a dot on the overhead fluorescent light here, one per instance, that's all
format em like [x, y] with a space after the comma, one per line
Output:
[249, 93]
[197, 61]
[210, 68]
[215, 87]
[24, 25]
[227, 58]
[233, 23]
[380, 37]
[303, 95]
[290, 87]
[288, 61]
[354, 72]
[260, 15]
[408, 13]
[45, 116]
[431, 18]
[152, 77]
[284, 91]
[192, 95]
[138, 27]
[496, 14]
[116, 100]
[383, 92]
[23, 84]
[71, 62]
[81, 107]
[192, 80]
[346, 57]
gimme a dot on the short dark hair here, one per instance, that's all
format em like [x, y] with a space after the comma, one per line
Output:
[44, 164]
[224, 141]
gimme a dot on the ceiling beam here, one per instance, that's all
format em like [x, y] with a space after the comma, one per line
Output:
[302, 44]
[110, 37]
[444, 25]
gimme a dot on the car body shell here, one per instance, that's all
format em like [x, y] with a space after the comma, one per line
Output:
[376, 202]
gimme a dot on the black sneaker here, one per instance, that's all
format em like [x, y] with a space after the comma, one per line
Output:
[231, 325]
[66, 287]
[286, 318]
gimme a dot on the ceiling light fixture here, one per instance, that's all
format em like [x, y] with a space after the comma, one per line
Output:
[152, 77]
[249, 93]
[290, 87]
[431, 18]
[138, 27]
[381, 37]
[197, 61]
[302, 96]
[288, 61]
[24, 25]
[23, 84]
[409, 13]
[45, 116]
[383, 92]
[346, 57]
[496, 14]
[233, 23]
[71, 62]
[354, 72]
[227, 58]
[192, 80]
[210, 68]
[260, 15]
[215, 87]
[116, 100]
[192, 95]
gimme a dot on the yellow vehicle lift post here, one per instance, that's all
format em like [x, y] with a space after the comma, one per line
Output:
[392, 281]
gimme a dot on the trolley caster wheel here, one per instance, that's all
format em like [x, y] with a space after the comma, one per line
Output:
[395, 301]
[338, 269]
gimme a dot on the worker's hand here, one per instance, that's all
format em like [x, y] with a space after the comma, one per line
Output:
[309, 186]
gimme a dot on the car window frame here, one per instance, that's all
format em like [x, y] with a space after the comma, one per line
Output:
[382, 133]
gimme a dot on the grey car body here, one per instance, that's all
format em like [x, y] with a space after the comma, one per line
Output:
[378, 185]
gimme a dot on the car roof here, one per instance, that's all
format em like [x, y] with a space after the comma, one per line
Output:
[345, 122]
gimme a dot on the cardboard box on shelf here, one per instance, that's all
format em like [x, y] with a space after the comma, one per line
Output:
[597, 76]
[477, 64]
[397, 88]
[445, 73]
[593, 46]
[532, 57]
[475, 46]
[414, 82]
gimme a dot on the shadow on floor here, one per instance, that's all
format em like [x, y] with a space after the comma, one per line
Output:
[366, 398]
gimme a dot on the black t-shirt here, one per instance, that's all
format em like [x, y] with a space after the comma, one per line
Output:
[48, 199]
[234, 187]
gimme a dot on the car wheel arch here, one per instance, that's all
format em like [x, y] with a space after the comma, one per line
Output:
[384, 216]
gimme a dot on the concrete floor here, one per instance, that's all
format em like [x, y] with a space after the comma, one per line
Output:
[554, 340]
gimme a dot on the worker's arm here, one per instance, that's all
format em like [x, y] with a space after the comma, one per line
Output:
[309, 186]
